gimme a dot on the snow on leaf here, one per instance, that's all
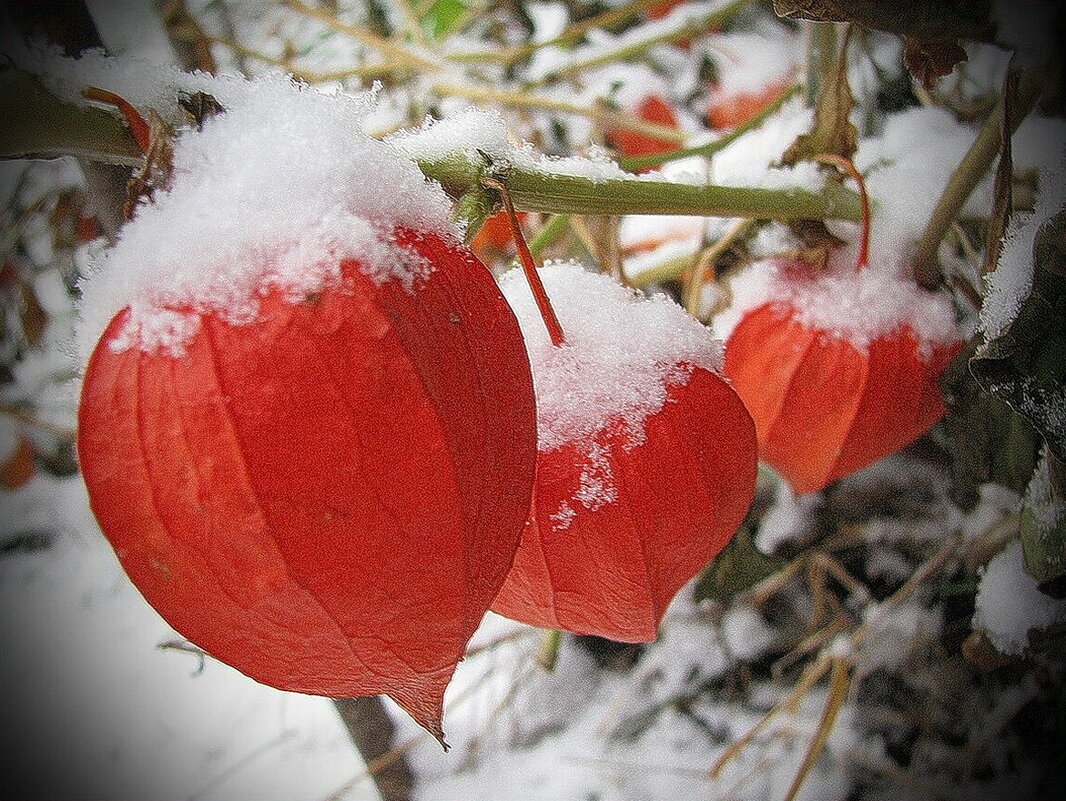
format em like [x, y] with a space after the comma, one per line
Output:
[1025, 364]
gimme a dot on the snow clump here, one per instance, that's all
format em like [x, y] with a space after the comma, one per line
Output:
[1009, 603]
[622, 353]
[272, 194]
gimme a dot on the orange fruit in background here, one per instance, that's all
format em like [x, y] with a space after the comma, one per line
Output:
[732, 111]
[494, 237]
[633, 143]
[17, 466]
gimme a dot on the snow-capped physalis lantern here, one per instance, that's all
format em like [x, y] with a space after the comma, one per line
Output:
[309, 430]
[646, 461]
[837, 367]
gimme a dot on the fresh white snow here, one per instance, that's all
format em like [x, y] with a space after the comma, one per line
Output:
[622, 352]
[274, 193]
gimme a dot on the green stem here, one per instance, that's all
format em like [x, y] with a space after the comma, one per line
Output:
[821, 56]
[967, 175]
[548, 234]
[548, 653]
[525, 258]
[567, 194]
[633, 163]
[663, 271]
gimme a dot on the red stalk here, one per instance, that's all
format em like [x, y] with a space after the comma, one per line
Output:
[536, 286]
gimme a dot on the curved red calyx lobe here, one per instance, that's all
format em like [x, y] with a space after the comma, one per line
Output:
[824, 408]
[327, 498]
[611, 570]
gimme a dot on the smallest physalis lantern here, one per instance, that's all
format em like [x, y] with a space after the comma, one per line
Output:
[308, 429]
[646, 460]
[832, 383]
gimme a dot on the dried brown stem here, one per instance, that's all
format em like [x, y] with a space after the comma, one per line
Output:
[372, 732]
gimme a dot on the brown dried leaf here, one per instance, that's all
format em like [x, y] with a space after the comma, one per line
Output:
[929, 60]
[928, 20]
[831, 131]
[200, 106]
[818, 242]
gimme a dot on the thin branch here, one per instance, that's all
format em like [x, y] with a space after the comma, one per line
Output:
[705, 264]
[967, 175]
[410, 21]
[634, 163]
[571, 33]
[547, 235]
[632, 49]
[598, 111]
[536, 286]
[839, 682]
[398, 53]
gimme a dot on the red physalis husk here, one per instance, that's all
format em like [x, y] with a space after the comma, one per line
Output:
[680, 494]
[823, 407]
[327, 498]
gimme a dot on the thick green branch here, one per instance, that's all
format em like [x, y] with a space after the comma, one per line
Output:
[38, 124]
[536, 190]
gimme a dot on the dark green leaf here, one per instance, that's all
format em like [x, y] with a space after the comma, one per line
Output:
[987, 440]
